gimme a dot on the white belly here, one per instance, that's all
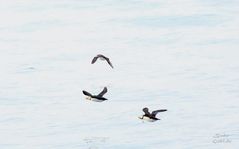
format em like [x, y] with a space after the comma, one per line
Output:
[93, 99]
[148, 119]
[101, 58]
[96, 100]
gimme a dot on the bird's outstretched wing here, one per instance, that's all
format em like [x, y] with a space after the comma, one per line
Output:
[86, 93]
[146, 111]
[94, 59]
[101, 94]
[108, 61]
[154, 113]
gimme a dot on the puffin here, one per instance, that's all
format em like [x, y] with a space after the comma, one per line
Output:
[102, 57]
[150, 117]
[96, 98]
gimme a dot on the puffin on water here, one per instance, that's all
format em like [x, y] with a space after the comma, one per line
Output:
[151, 117]
[102, 57]
[96, 98]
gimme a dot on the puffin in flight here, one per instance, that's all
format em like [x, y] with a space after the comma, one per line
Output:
[151, 117]
[102, 57]
[96, 98]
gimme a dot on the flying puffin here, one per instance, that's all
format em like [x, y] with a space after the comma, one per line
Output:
[96, 98]
[151, 117]
[102, 57]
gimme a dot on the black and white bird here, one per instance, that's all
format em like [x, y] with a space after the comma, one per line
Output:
[151, 117]
[102, 57]
[97, 98]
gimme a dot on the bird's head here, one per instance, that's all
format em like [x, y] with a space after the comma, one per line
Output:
[88, 97]
[141, 117]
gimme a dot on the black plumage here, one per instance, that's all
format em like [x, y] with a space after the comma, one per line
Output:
[98, 97]
[151, 115]
[102, 57]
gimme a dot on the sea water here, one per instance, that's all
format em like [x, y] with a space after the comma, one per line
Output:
[176, 55]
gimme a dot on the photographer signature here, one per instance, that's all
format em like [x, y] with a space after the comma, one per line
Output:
[221, 138]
